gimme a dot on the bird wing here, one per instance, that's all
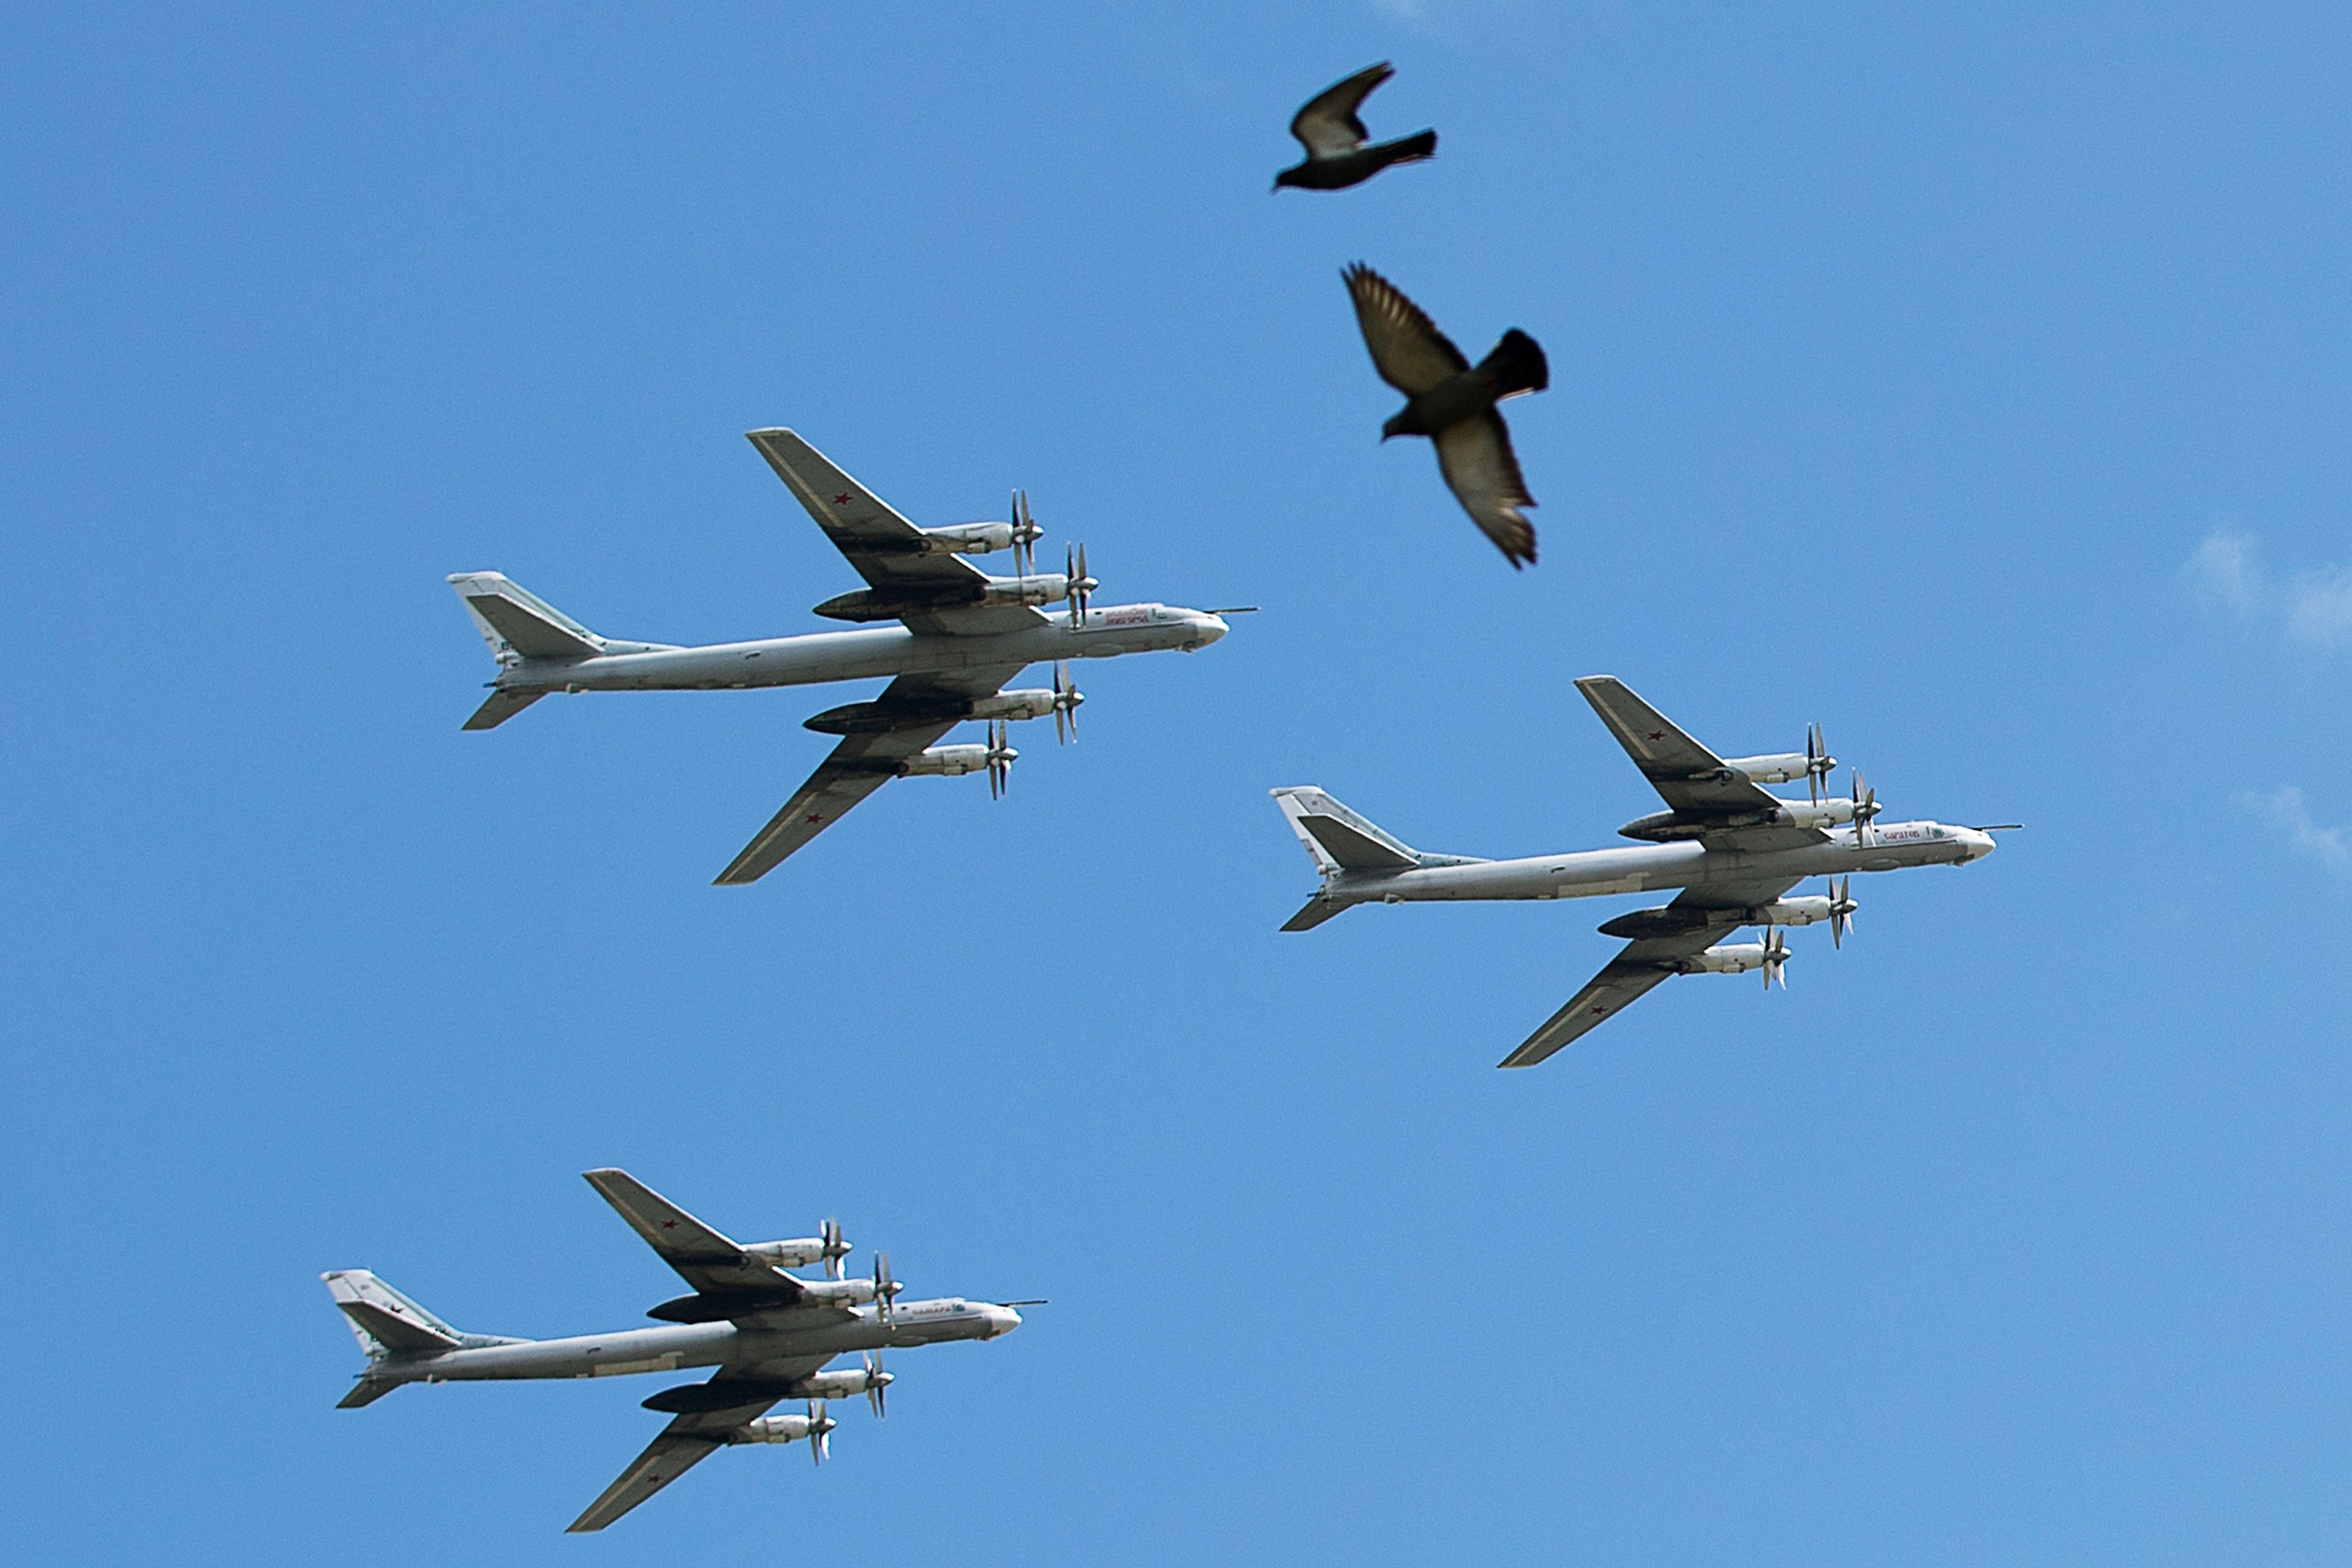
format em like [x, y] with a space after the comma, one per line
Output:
[1328, 126]
[1407, 349]
[1476, 457]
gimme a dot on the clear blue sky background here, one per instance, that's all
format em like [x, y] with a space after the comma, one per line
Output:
[1976, 384]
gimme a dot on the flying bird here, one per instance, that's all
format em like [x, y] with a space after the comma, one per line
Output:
[1452, 401]
[1334, 138]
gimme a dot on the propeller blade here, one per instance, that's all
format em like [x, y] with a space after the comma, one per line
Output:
[835, 1251]
[885, 1287]
[877, 1380]
[1025, 536]
[1818, 763]
[1066, 698]
[820, 1423]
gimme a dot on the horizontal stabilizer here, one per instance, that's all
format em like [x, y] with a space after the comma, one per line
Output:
[366, 1391]
[1316, 912]
[510, 617]
[502, 706]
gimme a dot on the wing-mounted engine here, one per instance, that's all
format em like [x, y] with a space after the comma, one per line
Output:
[1814, 764]
[939, 707]
[974, 538]
[829, 1246]
[1671, 826]
[816, 1428]
[1770, 955]
[1677, 919]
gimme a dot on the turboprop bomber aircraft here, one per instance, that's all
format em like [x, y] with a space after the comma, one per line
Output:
[769, 1334]
[1733, 848]
[961, 636]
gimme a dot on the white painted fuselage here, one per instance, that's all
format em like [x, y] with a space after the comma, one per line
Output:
[1646, 867]
[669, 1347]
[866, 653]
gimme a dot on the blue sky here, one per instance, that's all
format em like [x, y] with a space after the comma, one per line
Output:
[1976, 384]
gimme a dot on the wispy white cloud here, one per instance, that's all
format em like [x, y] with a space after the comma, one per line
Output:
[2319, 608]
[2312, 607]
[2223, 570]
[2286, 811]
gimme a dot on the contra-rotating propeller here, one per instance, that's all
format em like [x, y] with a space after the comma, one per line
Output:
[820, 1424]
[835, 1248]
[1776, 958]
[1818, 763]
[1001, 758]
[1842, 908]
[877, 1380]
[1865, 811]
[1025, 535]
[1066, 698]
[885, 1290]
[1082, 588]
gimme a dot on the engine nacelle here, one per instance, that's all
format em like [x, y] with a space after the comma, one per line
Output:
[1040, 588]
[877, 716]
[1790, 912]
[781, 1429]
[842, 1384]
[1029, 702]
[945, 762]
[1725, 958]
[1669, 826]
[793, 1254]
[837, 1292]
[1775, 767]
[967, 539]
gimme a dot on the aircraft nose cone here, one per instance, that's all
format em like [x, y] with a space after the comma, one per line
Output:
[1979, 845]
[1207, 629]
[1002, 1321]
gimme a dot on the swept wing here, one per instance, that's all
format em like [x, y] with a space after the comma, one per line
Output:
[1696, 784]
[741, 1284]
[1641, 964]
[694, 1437]
[887, 550]
[863, 763]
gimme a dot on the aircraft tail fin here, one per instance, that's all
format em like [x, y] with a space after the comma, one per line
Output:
[1339, 838]
[385, 1322]
[512, 619]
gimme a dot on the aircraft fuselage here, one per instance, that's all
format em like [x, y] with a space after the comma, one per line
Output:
[671, 1346]
[1592, 873]
[867, 653]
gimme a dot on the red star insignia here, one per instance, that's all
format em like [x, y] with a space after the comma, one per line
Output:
[670, 1225]
[1600, 1010]
[1657, 734]
[814, 817]
[841, 500]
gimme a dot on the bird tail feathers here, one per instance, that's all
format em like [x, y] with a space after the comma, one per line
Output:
[1516, 365]
[1411, 148]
